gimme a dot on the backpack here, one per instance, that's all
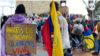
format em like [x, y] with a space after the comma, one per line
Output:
[77, 31]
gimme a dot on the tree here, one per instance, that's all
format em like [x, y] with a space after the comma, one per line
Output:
[97, 9]
[97, 5]
[88, 10]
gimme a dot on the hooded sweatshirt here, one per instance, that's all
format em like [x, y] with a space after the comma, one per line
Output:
[64, 31]
[98, 30]
[16, 19]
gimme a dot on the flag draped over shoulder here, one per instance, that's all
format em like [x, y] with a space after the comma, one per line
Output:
[51, 27]
[47, 37]
[57, 42]
[88, 33]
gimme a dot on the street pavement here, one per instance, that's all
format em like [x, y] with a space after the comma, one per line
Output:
[41, 51]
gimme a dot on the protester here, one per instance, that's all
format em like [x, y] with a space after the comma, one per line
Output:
[86, 22]
[44, 18]
[64, 15]
[39, 31]
[72, 27]
[18, 18]
[63, 29]
[42, 23]
[91, 25]
[30, 19]
[77, 31]
[37, 22]
[4, 20]
[10, 16]
[95, 31]
[26, 15]
[98, 40]
[33, 22]
[69, 28]
[0, 21]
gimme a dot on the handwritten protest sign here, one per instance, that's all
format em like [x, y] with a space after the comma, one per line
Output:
[20, 39]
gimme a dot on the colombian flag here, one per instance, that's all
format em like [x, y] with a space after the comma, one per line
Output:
[51, 34]
[88, 33]
[36, 16]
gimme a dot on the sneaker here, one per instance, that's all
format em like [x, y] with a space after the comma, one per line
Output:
[73, 48]
[82, 49]
[95, 53]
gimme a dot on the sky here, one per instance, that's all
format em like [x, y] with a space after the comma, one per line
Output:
[75, 7]
[5, 7]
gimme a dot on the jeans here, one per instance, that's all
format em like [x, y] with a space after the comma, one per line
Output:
[76, 37]
[70, 53]
[95, 37]
[97, 46]
[39, 34]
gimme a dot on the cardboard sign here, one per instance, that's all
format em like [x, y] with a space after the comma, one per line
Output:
[20, 39]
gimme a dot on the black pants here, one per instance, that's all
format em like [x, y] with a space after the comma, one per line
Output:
[78, 37]
[67, 52]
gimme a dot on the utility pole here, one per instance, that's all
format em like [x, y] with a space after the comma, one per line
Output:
[93, 12]
[2, 10]
[11, 8]
[90, 2]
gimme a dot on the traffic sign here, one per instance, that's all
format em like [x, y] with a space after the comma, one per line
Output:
[91, 7]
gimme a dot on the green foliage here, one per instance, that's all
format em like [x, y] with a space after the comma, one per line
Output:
[96, 8]
[97, 5]
[89, 12]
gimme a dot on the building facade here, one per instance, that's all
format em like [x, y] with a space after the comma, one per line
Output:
[37, 7]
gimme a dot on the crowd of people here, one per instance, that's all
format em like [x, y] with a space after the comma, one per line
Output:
[75, 27]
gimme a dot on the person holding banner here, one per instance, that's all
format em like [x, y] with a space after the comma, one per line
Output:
[63, 28]
[4, 20]
[18, 18]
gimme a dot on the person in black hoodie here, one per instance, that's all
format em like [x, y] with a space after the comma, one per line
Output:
[4, 20]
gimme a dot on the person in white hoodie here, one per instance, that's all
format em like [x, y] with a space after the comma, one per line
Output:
[77, 31]
[64, 30]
